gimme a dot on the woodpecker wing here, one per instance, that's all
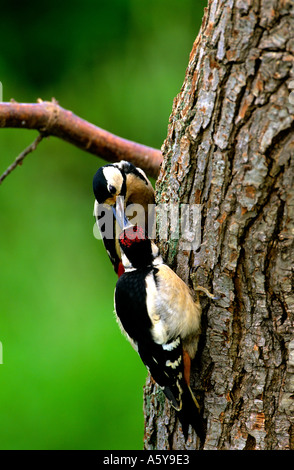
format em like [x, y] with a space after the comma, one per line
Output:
[172, 308]
[163, 360]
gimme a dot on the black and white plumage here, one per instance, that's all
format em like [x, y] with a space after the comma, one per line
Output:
[157, 313]
[130, 183]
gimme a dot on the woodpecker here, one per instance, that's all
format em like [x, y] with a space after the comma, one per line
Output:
[157, 313]
[111, 184]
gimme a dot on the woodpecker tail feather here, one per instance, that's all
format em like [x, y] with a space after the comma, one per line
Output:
[190, 414]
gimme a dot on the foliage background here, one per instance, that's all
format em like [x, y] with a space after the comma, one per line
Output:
[69, 379]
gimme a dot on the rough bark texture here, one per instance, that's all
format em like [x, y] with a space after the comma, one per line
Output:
[230, 147]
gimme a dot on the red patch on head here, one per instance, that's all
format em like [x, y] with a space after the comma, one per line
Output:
[132, 235]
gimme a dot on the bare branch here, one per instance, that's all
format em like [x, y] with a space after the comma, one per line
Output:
[51, 119]
[21, 157]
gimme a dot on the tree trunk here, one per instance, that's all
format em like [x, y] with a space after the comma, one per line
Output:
[230, 148]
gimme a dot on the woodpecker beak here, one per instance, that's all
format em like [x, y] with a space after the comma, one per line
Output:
[119, 213]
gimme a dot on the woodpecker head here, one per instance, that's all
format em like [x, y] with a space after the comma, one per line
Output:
[121, 179]
[119, 185]
[137, 249]
[109, 182]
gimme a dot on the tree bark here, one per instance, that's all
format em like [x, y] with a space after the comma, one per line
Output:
[230, 148]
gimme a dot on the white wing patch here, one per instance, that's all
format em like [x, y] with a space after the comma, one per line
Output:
[170, 346]
[174, 364]
[159, 332]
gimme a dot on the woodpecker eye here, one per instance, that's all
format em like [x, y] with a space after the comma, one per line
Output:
[111, 189]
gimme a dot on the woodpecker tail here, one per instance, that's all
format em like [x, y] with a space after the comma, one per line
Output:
[190, 414]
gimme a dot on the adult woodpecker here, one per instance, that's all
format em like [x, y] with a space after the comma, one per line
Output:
[121, 184]
[157, 313]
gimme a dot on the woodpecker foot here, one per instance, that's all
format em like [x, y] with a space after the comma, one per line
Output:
[206, 292]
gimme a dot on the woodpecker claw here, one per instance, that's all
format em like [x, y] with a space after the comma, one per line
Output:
[206, 292]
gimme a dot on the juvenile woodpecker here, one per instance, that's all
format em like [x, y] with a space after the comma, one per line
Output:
[131, 183]
[156, 311]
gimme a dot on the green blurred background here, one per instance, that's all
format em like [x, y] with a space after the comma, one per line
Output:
[69, 379]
